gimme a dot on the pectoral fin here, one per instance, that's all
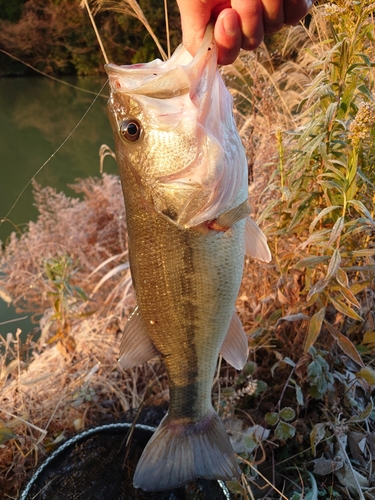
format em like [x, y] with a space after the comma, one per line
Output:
[226, 220]
[235, 346]
[136, 346]
[256, 242]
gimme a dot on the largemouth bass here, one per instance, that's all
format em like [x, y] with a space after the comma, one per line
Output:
[184, 177]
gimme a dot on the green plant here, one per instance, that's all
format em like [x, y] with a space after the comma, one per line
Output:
[280, 419]
[319, 375]
[65, 300]
[315, 314]
[327, 183]
[11, 10]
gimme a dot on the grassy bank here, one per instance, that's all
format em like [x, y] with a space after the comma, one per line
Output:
[301, 413]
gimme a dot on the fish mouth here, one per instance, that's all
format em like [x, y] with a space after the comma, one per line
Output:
[158, 78]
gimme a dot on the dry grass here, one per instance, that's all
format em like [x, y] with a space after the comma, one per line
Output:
[89, 231]
[59, 390]
[52, 396]
[63, 383]
[329, 387]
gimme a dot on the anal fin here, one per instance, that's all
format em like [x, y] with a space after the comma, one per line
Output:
[136, 346]
[235, 346]
[256, 242]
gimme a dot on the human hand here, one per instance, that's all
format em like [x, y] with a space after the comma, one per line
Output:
[238, 23]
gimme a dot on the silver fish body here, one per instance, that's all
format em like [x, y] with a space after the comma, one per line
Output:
[184, 178]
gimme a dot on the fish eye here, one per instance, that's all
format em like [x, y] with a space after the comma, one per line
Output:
[130, 130]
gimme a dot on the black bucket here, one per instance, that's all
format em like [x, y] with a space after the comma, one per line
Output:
[98, 464]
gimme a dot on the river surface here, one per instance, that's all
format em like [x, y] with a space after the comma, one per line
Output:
[36, 116]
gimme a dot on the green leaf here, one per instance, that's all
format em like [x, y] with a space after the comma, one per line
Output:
[251, 442]
[271, 417]
[317, 435]
[330, 114]
[360, 269]
[6, 434]
[286, 360]
[366, 252]
[310, 146]
[81, 293]
[334, 264]
[344, 309]
[330, 185]
[316, 237]
[298, 215]
[314, 329]
[336, 230]
[322, 214]
[345, 344]
[299, 394]
[228, 392]
[311, 261]
[261, 387]
[335, 170]
[295, 496]
[275, 316]
[313, 493]
[314, 370]
[269, 210]
[342, 278]
[284, 430]
[362, 416]
[358, 205]
[317, 288]
[365, 91]
[287, 414]
[249, 368]
[346, 292]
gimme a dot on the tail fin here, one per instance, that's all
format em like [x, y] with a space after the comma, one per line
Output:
[178, 453]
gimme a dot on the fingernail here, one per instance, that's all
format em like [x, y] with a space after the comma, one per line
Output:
[309, 3]
[230, 24]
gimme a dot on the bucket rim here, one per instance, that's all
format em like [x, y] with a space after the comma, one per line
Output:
[86, 434]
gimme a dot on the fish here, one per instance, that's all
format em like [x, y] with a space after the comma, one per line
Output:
[183, 172]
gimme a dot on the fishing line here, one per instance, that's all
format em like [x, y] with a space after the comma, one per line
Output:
[49, 76]
[53, 154]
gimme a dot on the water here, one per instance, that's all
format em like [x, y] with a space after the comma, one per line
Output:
[36, 116]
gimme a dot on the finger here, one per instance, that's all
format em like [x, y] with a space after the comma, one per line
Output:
[193, 23]
[295, 10]
[228, 36]
[250, 13]
[273, 15]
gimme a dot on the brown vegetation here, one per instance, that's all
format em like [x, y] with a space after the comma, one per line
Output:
[301, 411]
[57, 37]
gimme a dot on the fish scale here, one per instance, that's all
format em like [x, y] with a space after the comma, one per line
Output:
[184, 177]
[196, 291]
